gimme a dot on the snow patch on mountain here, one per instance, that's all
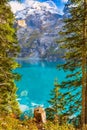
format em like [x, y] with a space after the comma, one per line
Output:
[64, 1]
[34, 6]
[16, 6]
[38, 24]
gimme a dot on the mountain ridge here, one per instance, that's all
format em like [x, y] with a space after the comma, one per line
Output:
[37, 32]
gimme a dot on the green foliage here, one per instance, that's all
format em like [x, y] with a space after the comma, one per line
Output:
[73, 39]
[56, 101]
[52, 126]
[10, 123]
[8, 49]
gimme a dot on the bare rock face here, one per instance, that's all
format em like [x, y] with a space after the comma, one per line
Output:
[21, 23]
[40, 115]
[37, 31]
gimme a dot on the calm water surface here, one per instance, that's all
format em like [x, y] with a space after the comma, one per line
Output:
[36, 83]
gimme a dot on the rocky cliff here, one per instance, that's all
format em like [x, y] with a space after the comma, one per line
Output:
[37, 30]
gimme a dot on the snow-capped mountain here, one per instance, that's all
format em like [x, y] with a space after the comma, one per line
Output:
[38, 25]
[35, 6]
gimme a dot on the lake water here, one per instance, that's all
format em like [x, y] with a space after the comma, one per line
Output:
[36, 83]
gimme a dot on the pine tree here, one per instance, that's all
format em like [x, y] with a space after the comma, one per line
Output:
[8, 49]
[56, 101]
[74, 41]
[84, 66]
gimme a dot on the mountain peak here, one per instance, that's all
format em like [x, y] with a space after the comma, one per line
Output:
[34, 6]
[38, 24]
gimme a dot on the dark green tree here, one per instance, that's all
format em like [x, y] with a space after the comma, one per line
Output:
[74, 41]
[8, 49]
[56, 103]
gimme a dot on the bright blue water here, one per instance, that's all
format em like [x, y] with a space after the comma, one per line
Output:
[36, 83]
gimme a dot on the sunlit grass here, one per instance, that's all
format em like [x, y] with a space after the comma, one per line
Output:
[10, 123]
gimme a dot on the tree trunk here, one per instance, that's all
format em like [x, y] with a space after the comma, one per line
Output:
[84, 70]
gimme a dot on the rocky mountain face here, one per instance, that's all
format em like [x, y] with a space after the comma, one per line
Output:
[37, 31]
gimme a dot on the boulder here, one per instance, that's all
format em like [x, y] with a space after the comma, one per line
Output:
[40, 115]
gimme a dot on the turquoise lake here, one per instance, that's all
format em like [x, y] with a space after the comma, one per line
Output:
[36, 83]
